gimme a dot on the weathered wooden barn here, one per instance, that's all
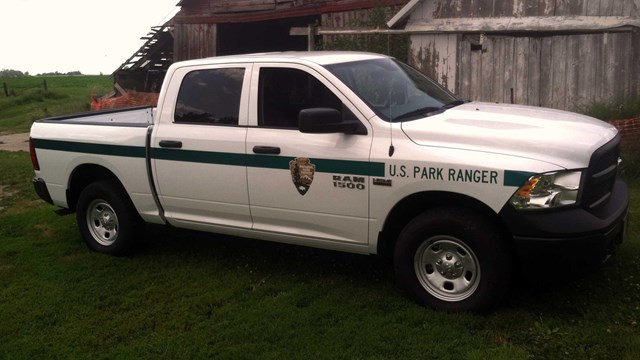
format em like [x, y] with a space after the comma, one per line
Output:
[562, 54]
[204, 28]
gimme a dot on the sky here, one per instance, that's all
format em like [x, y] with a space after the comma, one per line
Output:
[93, 37]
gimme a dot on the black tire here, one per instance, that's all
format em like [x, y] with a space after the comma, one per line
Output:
[452, 259]
[107, 219]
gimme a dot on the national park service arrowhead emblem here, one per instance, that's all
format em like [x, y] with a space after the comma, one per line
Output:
[302, 171]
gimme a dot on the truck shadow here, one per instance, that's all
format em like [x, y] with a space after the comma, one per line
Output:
[372, 274]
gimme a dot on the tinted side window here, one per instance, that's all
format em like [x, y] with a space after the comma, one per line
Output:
[210, 97]
[284, 92]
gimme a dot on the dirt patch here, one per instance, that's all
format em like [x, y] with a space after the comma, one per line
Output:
[14, 142]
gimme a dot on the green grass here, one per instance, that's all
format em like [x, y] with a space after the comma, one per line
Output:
[192, 295]
[28, 100]
[619, 109]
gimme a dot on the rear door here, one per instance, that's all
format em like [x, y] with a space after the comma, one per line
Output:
[199, 148]
[309, 186]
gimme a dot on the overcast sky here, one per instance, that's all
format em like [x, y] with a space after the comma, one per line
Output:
[75, 35]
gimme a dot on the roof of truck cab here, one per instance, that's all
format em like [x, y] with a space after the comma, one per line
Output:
[317, 57]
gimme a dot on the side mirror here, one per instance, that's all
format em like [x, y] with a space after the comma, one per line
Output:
[327, 121]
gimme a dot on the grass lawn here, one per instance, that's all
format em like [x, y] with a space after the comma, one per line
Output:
[28, 100]
[192, 295]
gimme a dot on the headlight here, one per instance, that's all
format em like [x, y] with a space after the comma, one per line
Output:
[548, 190]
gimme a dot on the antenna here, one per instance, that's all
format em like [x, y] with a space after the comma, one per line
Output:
[391, 148]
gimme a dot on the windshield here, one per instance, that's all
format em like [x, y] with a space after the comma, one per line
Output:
[395, 91]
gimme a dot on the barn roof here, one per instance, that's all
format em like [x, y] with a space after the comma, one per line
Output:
[239, 11]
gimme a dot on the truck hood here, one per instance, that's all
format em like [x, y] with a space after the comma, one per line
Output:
[558, 137]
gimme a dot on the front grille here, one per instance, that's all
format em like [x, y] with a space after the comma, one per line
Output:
[601, 175]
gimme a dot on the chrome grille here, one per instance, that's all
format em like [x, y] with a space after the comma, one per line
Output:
[601, 175]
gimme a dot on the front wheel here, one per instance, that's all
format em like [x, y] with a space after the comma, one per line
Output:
[107, 219]
[452, 259]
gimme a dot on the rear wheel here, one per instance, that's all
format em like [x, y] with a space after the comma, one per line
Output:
[107, 219]
[452, 259]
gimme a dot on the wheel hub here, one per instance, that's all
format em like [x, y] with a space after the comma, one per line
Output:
[450, 266]
[107, 221]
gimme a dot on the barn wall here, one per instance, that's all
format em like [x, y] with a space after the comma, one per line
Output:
[551, 69]
[439, 9]
[194, 41]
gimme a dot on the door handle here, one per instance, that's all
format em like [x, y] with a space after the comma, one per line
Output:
[273, 150]
[171, 144]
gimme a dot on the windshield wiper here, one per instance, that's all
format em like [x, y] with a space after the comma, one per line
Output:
[416, 112]
[452, 104]
[429, 109]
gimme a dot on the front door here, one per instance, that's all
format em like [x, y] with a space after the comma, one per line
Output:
[309, 186]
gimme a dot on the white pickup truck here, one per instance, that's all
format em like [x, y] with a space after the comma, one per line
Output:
[346, 151]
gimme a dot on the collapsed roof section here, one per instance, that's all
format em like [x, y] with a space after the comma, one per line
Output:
[145, 69]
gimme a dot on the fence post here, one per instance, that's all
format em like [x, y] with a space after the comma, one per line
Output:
[6, 89]
[46, 88]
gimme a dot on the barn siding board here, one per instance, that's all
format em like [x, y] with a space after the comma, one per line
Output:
[487, 69]
[464, 79]
[469, 8]
[521, 84]
[574, 95]
[606, 8]
[592, 7]
[194, 41]
[546, 75]
[635, 61]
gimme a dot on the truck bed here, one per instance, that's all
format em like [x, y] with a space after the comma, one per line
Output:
[114, 141]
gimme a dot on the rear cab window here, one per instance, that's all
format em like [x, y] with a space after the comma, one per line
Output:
[210, 96]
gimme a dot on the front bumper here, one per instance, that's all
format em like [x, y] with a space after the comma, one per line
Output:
[568, 240]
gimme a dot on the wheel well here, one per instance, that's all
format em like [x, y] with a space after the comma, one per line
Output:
[411, 206]
[84, 175]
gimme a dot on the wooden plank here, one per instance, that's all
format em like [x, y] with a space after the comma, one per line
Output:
[597, 41]
[502, 8]
[625, 73]
[485, 8]
[546, 76]
[403, 13]
[533, 73]
[573, 92]
[630, 8]
[497, 79]
[560, 59]
[518, 9]
[569, 7]
[635, 61]
[440, 50]
[487, 67]
[618, 7]
[470, 8]
[465, 69]
[521, 80]
[525, 24]
[609, 67]
[549, 8]
[606, 8]
[532, 8]
[586, 70]
[592, 7]
[229, 6]
[476, 76]
[509, 66]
